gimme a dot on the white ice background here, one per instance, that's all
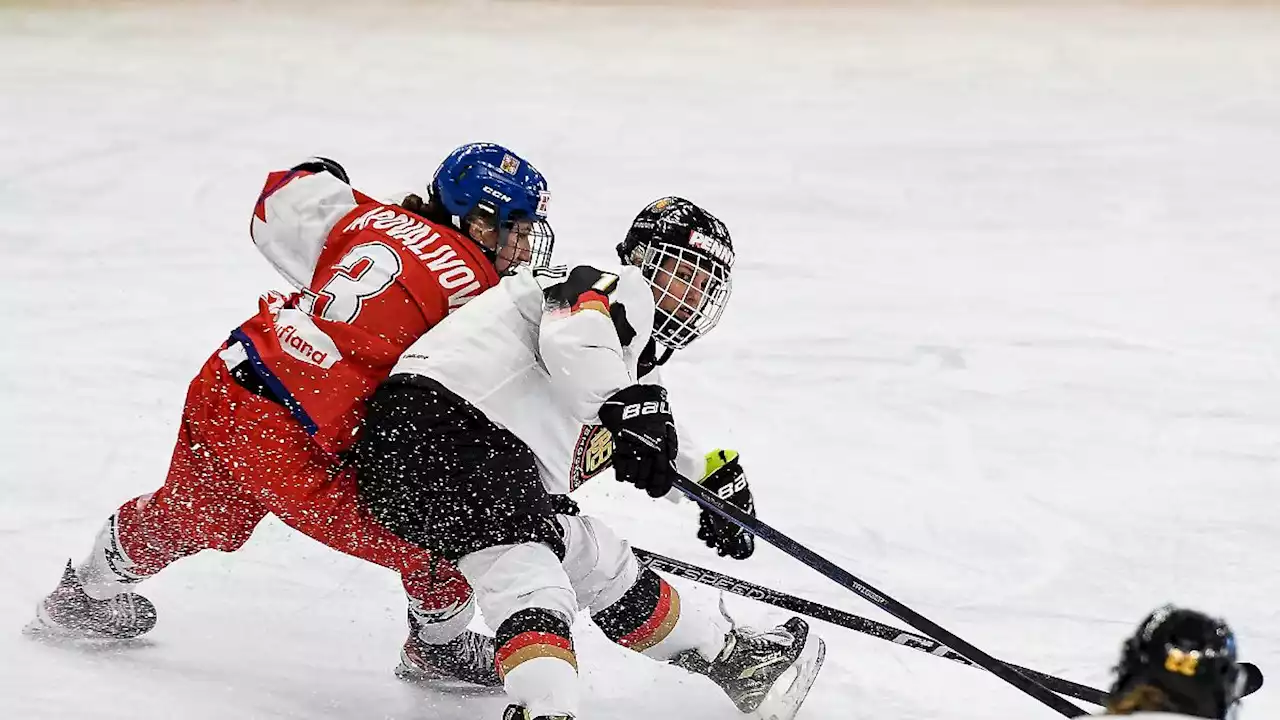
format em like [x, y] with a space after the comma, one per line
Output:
[1003, 342]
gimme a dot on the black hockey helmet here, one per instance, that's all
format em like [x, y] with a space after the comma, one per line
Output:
[1178, 661]
[685, 253]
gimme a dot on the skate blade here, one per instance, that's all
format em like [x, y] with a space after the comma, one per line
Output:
[43, 629]
[39, 630]
[58, 636]
[417, 675]
[783, 700]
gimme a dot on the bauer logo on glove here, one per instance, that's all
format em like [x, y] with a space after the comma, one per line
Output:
[652, 407]
[644, 437]
[728, 491]
[724, 476]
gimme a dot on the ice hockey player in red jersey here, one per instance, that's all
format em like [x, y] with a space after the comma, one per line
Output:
[1179, 664]
[268, 418]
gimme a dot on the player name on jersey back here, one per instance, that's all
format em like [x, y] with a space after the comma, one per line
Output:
[452, 272]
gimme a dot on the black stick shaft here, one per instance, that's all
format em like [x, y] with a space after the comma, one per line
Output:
[764, 531]
[848, 620]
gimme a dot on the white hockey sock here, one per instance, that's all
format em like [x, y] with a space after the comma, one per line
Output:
[437, 627]
[544, 686]
[651, 619]
[105, 573]
[526, 592]
[699, 626]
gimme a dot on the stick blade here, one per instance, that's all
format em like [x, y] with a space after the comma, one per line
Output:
[1252, 678]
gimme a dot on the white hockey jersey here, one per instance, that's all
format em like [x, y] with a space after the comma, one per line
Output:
[542, 372]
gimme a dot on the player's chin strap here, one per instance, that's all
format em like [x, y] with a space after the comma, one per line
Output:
[649, 358]
[463, 223]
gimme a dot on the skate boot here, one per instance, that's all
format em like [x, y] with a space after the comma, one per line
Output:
[467, 659]
[766, 674]
[70, 613]
[516, 712]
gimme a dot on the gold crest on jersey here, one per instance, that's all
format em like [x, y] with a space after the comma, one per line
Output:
[592, 455]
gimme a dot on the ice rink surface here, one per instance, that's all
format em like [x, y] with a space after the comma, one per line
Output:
[1004, 340]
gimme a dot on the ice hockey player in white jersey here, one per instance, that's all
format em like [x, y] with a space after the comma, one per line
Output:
[530, 390]
[1179, 664]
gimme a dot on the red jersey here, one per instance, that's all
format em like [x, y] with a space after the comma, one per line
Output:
[372, 278]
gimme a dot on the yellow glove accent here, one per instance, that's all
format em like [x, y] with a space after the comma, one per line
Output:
[717, 459]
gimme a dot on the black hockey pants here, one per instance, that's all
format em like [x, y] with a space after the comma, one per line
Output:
[436, 472]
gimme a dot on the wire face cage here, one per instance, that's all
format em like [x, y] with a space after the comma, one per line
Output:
[692, 291]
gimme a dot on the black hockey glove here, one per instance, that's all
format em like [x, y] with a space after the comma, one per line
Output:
[319, 164]
[727, 480]
[644, 437]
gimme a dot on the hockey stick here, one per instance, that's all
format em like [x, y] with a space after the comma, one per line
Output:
[766, 532]
[898, 636]
[848, 620]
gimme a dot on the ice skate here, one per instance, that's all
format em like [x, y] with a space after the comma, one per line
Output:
[68, 612]
[467, 660]
[766, 674]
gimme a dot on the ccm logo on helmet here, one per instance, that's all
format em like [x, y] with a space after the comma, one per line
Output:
[653, 407]
[490, 191]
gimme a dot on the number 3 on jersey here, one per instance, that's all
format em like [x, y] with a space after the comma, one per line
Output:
[364, 272]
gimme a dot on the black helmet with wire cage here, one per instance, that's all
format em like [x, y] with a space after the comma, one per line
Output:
[1179, 661]
[686, 255]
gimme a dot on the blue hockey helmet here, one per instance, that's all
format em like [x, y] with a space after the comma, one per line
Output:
[490, 182]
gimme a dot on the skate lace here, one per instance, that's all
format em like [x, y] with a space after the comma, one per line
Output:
[475, 648]
[753, 650]
[760, 640]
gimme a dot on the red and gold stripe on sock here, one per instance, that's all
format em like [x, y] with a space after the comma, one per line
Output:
[529, 645]
[659, 625]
